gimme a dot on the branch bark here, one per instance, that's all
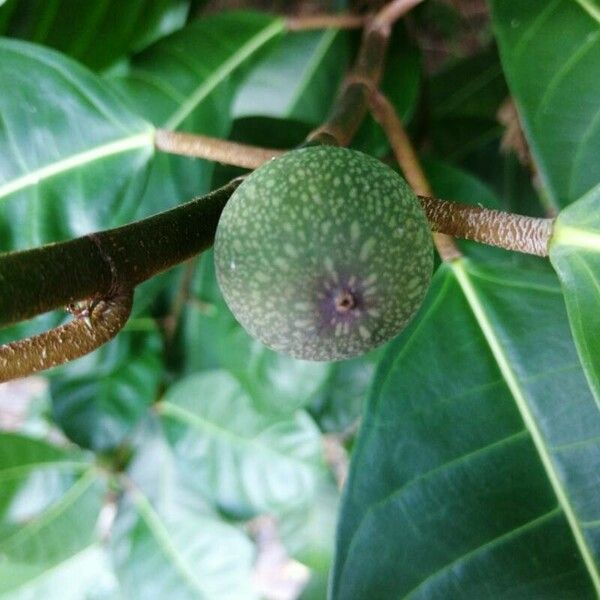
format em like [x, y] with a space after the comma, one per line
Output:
[352, 104]
[80, 336]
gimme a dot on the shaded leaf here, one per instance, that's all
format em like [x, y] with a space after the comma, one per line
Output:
[575, 254]
[95, 34]
[483, 483]
[308, 532]
[50, 499]
[464, 99]
[100, 398]
[551, 56]
[338, 404]
[243, 460]
[298, 79]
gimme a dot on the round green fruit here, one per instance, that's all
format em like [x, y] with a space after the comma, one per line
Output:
[323, 253]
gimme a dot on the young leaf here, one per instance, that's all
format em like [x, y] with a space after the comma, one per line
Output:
[477, 470]
[551, 56]
[244, 461]
[50, 499]
[575, 254]
[72, 156]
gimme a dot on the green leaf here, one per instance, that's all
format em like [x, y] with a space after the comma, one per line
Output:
[338, 404]
[308, 532]
[95, 34]
[477, 470]
[551, 56]
[190, 557]
[72, 156]
[464, 99]
[85, 575]
[187, 81]
[99, 399]
[298, 79]
[243, 460]
[50, 499]
[575, 254]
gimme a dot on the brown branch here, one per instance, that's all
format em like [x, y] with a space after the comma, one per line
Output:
[87, 332]
[393, 11]
[493, 227]
[407, 158]
[325, 21]
[352, 104]
[208, 148]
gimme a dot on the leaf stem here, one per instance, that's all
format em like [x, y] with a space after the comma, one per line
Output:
[325, 21]
[208, 148]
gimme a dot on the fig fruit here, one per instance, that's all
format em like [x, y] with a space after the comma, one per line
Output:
[323, 253]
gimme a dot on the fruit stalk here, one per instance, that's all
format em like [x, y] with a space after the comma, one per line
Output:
[208, 148]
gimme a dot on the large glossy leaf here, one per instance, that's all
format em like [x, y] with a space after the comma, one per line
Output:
[212, 338]
[551, 56]
[72, 156]
[477, 470]
[95, 34]
[575, 254]
[187, 81]
[298, 79]
[99, 399]
[50, 499]
[167, 543]
[245, 461]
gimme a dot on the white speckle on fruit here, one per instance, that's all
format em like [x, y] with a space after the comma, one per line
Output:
[365, 334]
[290, 250]
[366, 249]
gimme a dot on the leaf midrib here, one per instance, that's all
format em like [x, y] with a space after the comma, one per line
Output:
[132, 142]
[460, 271]
[235, 60]
[6, 474]
[164, 542]
[183, 415]
[565, 235]
[311, 67]
[66, 502]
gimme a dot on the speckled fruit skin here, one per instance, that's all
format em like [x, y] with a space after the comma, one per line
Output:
[323, 253]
